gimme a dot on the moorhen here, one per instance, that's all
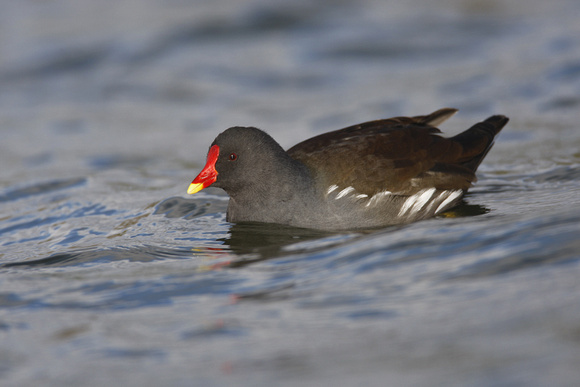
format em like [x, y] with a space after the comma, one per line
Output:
[378, 173]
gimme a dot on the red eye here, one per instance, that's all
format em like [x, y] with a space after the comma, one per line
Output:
[233, 157]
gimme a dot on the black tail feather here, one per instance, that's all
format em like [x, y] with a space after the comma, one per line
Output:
[481, 133]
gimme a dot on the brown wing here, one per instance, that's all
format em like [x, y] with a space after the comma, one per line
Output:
[402, 155]
[373, 127]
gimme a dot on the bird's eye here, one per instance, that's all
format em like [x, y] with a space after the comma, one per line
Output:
[233, 157]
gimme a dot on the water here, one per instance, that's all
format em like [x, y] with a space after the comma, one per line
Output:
[110, 274]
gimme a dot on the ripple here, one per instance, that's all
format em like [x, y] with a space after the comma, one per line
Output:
[99, 256]
[177, 207]
[562, 173]
[217, 328]
[116, 160]
[560, 102]
[41, 188]
[111, 295]
[566, 72]
[133, 353]
[59, 60]
[527, 244]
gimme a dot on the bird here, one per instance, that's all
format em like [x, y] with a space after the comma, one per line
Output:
[375, 174]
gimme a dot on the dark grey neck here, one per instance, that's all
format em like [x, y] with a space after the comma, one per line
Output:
[283, 190]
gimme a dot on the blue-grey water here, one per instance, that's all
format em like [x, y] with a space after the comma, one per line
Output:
[110, 275]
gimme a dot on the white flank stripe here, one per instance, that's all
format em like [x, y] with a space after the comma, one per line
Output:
[452, 196]
[344, 192]
[331, 189]
[405, 207]
[422, 199]
[417, 201]
[377, 197]
[433, 201]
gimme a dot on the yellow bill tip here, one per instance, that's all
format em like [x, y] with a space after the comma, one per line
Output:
[194, 187]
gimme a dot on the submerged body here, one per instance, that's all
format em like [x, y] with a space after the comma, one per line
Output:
[374, 174]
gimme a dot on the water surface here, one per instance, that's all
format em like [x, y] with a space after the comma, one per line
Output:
[111, 274]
